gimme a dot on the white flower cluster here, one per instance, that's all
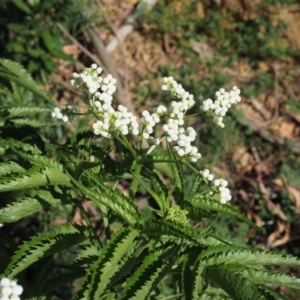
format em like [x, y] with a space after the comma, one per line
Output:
[121, 121]
[1, 225]
[111, 120]
[184, 147]
[150, 120]
[178, 91]
[173, 128]
[62, 114]
[218, 108]
[207, 175]
[102, 89]
[221, 186]
[10, 290]
[90, 79]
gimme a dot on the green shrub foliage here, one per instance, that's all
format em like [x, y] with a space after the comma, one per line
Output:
[172, 240]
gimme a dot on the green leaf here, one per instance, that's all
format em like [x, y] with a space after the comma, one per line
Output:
[164, 227]
[21, 111]
[18, 145]
[206, 203]
[25, 206]
[35, 177]
[27, 180]
[14, 72]
[32, 122]
[22, 5]
[65, 278]
[263, 276]
[177, 177]
[198, 284]
[197, 213]
[212, 293]
[10, 167]
[195, 186]
[114, 200]
[216, 255]
[44, 245]
[48, 40]
[146, 277]
[163, 167]
[161, 193]
[235, 285]
[88, 255]
[187, 279]
[109, 261]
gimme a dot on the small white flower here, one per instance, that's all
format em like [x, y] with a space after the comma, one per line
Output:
[219, 108]
[9, 289]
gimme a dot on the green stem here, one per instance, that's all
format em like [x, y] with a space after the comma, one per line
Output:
[162, 160]
[191, 116]
[134, 183]
[190, 166]
[104, 211]
[81, 114]
[88, 221]
[125, 142]
[138, 164]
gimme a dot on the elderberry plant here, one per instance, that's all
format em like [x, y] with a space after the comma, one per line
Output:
[175, 241]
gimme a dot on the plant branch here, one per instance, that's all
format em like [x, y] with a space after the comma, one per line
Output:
[80, 46]
[122, 95]
[109, 22]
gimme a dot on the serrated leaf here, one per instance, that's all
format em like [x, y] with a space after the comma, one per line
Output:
[146, 277]
[195, 186]
[216, 255]
[187, 280]
[206, 203]
[14, 72]
[9, 167]
[87, 255]
[15, 144]
[117, 202]
[197, 213]
[197, 285]
[213, 293]
[68, 277]
[25, 206]
[271, 292]
[32, 122]
[33, 178]
[109, 261]
[235, 285]
[163, 167]
[45, 244]
[161, 193]
[177, 177]
[263, 276]
[165, 227]
[39, 160]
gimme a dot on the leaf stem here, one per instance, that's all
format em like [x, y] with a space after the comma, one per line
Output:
[190, 166]
[88, 222]
[121, 138]
[162, 160]
[135, 181]
[104, 211]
